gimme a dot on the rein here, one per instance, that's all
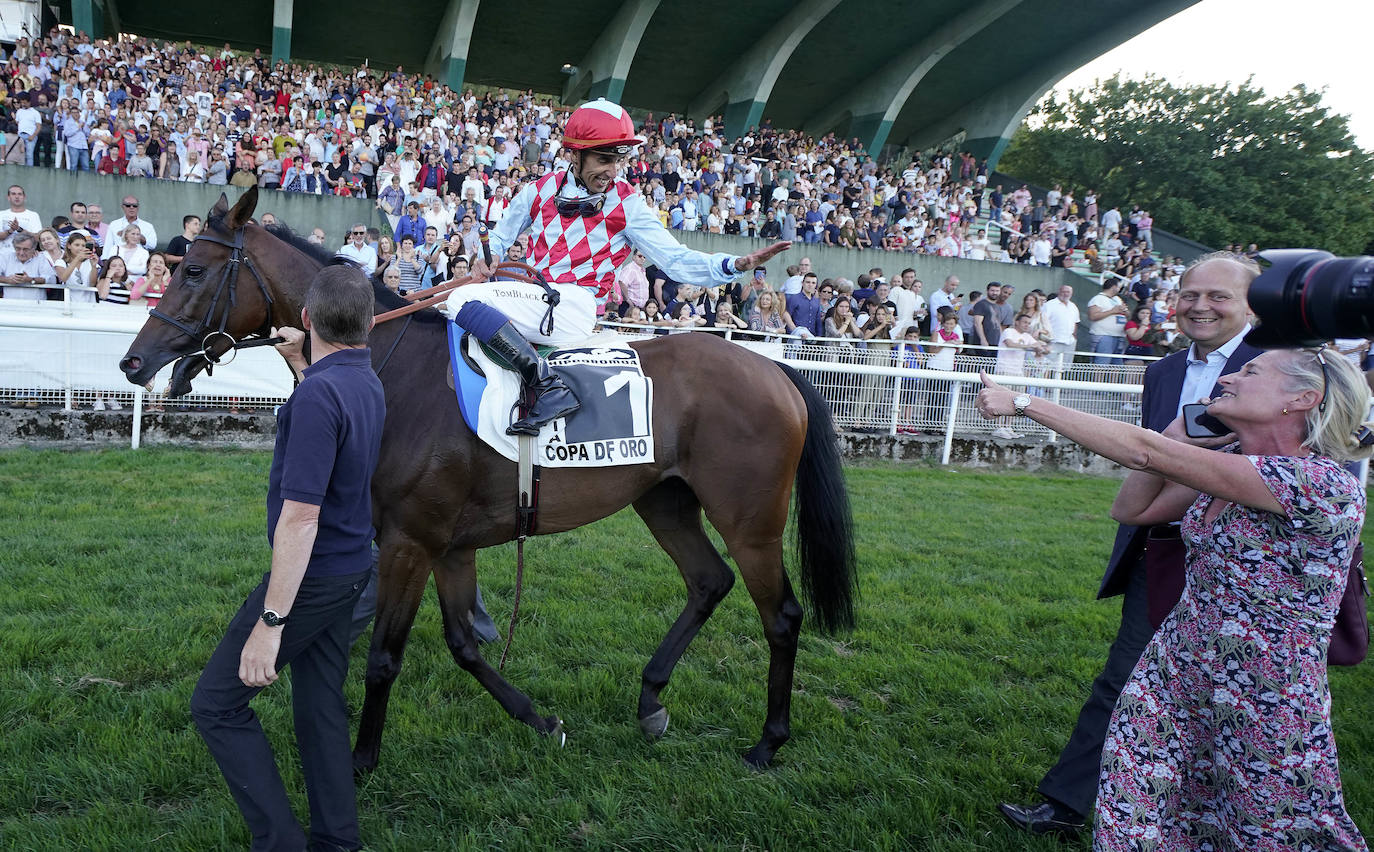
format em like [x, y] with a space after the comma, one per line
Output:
[228, 283]
[510, 270]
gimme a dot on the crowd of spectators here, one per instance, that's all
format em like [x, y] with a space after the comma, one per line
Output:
[175, 112]
[439, 165]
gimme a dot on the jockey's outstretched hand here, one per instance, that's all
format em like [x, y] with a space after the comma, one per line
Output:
[749, 261]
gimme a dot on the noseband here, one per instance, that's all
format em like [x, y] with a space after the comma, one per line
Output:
[226, 293]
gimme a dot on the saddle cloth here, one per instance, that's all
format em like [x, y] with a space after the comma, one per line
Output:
[613, 426]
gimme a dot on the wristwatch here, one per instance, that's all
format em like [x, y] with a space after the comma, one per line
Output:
[272, 619]
[1018, 405]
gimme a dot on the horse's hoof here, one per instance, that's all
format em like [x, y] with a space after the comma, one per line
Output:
[758, 758]
[362, 765]
[655, 724]
[557, 733]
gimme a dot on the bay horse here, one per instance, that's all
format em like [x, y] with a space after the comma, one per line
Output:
[439, 494]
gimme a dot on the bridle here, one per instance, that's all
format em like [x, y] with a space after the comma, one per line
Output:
[226, 293]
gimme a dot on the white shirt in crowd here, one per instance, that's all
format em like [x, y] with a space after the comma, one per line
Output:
[114, 237]
[1109, 326]
[366, 257]
[1062, 319]
[37, 266]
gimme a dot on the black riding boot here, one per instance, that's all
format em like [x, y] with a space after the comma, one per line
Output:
[552, 398]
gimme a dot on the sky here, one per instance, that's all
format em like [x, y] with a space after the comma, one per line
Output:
[1216, 41]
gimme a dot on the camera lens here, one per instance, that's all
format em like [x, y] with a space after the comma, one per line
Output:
[1308, 297]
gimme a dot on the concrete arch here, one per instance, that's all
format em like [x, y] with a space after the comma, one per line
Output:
[745, 85]
[602, 72]
[448, 56]
[990, 120]
[882, 96]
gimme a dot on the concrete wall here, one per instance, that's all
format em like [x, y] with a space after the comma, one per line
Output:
[51, 192]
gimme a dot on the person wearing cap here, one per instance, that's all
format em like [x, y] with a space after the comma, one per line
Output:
[585, 223]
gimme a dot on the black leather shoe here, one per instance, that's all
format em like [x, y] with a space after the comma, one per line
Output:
[1044, 818]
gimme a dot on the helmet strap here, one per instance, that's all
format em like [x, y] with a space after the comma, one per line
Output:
[577, 171]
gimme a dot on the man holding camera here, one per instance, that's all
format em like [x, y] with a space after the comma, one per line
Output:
[1213, 313]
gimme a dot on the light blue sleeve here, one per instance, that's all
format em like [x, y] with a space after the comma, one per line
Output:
[680, 263]
[513, 223]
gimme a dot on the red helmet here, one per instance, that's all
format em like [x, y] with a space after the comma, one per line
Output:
[600, 124]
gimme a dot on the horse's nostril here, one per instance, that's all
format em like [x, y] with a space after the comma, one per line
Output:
[131, 364]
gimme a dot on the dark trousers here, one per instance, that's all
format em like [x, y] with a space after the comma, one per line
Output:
[315, 646]
[1073, 780]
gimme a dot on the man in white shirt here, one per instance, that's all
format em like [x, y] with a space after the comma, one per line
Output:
[944, 297]
[26, 265]
[358, 250]
[18, 219]
[1111, 220]
[1062, 318]
[905, 301]
[1107, 323]
[30, 121]
[115, 235]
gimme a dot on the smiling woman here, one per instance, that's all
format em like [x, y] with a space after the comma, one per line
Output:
[1239, 667]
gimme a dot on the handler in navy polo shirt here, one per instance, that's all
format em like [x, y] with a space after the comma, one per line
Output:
[319, 523]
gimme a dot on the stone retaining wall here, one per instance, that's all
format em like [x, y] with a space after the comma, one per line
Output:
[51, 427]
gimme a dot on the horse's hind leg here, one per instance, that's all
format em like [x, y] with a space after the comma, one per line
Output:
[405, 567]
[455, 578]
[753, 533]
[673, 514]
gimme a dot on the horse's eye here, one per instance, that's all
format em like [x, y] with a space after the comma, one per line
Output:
[195, 271]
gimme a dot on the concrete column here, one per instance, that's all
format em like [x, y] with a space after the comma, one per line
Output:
[281, 30]
[876, 102]
[448, 57]
[88, 17]
[602, 72]
[744, 87]
[989, 121]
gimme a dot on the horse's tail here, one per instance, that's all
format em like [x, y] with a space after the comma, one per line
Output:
[822, 518]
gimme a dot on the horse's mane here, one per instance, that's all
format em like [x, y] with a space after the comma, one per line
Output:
[323, 256]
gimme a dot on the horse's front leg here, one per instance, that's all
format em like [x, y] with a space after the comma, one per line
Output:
[404, 570]
[455, 578]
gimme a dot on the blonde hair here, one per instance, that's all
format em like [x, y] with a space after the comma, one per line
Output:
[1331, 432]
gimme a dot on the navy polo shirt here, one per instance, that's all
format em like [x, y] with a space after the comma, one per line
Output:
[329, 434]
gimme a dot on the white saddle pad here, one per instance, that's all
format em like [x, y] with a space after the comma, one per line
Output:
[613, 426]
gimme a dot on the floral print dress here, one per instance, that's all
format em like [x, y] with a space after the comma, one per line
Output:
[1222, 738]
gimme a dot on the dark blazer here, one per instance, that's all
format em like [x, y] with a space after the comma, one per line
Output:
[1158, 407]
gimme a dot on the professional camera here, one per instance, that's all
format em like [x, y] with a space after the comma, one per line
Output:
[1306, 297]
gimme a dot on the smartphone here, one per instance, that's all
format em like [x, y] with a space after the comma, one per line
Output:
[1197, 423]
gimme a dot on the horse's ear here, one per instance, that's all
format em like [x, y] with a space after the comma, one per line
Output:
[221, 208]
[243, 210]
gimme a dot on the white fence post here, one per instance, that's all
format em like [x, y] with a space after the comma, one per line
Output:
[954, 394]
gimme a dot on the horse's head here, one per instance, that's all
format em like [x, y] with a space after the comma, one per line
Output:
[216, 297]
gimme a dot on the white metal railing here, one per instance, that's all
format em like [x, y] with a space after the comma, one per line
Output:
[50, 357]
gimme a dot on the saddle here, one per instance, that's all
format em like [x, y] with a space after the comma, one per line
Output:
[613, 426]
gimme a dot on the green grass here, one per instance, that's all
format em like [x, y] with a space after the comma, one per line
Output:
[978, 637]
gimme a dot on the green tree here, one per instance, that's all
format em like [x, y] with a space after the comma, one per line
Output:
[1217, 164]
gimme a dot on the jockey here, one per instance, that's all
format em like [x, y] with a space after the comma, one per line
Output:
[585, 223]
